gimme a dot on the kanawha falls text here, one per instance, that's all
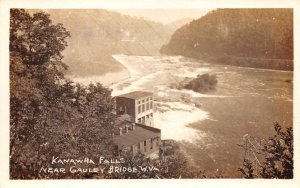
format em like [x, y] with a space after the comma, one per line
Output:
[88, 165]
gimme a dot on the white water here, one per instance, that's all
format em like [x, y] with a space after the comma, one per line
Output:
[173, 115]
[173, 119]
[106, 79]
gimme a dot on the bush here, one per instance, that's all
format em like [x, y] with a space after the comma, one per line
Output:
[277, 155]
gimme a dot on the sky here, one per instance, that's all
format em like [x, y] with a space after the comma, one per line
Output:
[165, 16]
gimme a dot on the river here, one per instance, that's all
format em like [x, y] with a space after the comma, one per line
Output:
[209, 126]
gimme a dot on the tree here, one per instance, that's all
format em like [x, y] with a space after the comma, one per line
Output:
[35, 70]
[39, 44]
[50, 115]
[279, 159]
[277, 154]
[36, 38]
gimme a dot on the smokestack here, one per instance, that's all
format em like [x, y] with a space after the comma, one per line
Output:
[126, 128]
[133, 126]
[120, 130]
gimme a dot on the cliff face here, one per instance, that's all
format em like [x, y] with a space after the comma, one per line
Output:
[240, 33]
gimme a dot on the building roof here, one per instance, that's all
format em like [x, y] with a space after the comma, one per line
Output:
[133, 137]
[136, 94]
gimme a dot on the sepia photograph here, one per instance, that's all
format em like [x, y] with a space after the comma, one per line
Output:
[151, 93]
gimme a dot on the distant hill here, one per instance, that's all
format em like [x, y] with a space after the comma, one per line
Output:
[179, 23]
[244, 37]
[97, 34]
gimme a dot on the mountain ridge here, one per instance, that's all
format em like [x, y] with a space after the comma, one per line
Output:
[96, 34]
[258, 38]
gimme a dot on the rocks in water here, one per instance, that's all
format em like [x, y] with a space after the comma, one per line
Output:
[201, 84]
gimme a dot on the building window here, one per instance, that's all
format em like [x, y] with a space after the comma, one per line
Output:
[139, 147]
[151, 115]
[139, 102]
[147, 99]
[151, 146]
[143, 107]
[143, 120]
[151, 105]
[157, 141]
[145, 146]
[143, 101]
[139, 109]
[139, 120]
[147, 106]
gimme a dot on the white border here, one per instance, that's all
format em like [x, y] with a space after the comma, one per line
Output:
[5, 5]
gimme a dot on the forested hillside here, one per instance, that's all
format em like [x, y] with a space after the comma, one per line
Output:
[50, 115]
[246, 37]
[97, 34]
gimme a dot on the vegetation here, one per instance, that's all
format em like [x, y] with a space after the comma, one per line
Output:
[277, 157]
[174, 164]
[50, 115]
[243, 37]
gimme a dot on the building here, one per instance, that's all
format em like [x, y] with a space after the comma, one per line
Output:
[136, 138]
[138, 105]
